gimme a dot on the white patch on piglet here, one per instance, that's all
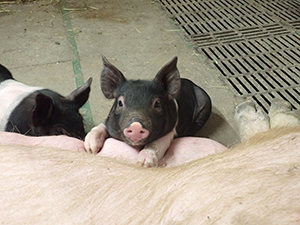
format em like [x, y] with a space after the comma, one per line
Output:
[154, 151]
[11, 94]
[95, 139]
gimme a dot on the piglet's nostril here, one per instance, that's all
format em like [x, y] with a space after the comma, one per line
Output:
[136, 132]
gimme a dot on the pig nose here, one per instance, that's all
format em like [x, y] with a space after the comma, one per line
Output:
[136, 132]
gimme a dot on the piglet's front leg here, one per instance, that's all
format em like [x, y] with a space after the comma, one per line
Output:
[153, 152]
[94, 140]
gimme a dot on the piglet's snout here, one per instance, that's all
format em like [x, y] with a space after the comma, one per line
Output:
[135, 132]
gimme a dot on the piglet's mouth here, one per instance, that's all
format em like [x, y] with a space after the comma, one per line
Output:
[136, 144]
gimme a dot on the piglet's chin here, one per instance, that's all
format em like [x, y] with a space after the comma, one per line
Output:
[135, 144]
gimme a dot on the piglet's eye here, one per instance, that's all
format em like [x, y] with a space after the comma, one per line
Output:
[157, 104]
[59, 131]
[120, 103]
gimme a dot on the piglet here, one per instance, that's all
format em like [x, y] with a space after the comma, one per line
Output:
[148, 114]
[36, 111]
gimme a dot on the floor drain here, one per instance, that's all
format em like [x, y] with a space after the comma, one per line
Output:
[255, 44]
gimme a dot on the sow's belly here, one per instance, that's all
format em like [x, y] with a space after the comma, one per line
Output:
[11, 94]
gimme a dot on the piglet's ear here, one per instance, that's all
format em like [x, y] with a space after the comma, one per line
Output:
[111, 78]
[81, 94]
[42, 111]
[169, 78]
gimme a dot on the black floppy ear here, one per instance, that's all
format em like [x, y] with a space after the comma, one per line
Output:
[81, 94]
[42, 110]
[169, 78]
[111, 78]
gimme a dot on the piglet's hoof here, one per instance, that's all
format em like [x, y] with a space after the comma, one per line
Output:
[147, 158]
[245, 107]
[279, 105]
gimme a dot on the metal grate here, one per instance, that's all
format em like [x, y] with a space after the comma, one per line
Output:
[255, 44]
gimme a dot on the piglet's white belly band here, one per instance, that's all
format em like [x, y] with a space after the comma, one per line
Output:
[11, 94]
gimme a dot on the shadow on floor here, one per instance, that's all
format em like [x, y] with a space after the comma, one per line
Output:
[218, 129]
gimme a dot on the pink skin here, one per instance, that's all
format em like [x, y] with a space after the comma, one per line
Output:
[61, 141]
[181, 150]
[135, 132]
[186, 150]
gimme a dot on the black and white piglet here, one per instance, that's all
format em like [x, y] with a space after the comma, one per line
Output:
[148, 114]
[36, 111]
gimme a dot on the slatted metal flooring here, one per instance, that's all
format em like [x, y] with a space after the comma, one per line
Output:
[255, 44]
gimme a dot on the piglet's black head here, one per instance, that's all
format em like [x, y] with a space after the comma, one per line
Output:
[168, 77]
[143, 104]
[55, 114]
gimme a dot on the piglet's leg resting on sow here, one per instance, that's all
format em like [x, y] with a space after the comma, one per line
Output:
[181, 150]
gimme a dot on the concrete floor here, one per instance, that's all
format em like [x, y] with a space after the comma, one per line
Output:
[43, 45]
